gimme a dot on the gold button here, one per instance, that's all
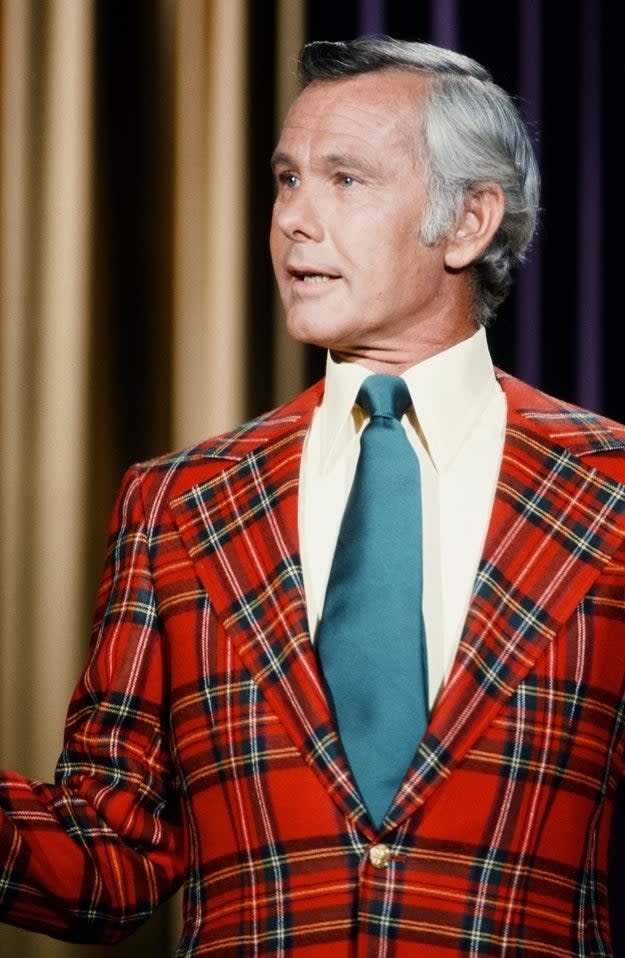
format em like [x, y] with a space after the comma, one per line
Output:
[380, 856]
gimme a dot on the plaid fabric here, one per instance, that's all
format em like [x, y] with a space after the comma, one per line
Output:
[200, 747]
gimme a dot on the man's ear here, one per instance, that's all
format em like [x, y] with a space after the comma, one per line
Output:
[482, 215]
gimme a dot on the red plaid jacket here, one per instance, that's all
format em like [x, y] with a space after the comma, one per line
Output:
[200, 747]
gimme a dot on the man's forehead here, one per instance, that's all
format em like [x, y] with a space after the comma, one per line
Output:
[373, 89]
[380, 102]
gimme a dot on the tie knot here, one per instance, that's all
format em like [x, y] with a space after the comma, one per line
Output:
[384, 395]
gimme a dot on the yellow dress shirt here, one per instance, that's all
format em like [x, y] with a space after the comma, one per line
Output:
[457, 430]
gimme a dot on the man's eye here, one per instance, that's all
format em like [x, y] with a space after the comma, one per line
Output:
[345, 179]
[290, 180]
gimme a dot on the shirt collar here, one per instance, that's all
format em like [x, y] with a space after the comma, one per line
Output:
[449, 392]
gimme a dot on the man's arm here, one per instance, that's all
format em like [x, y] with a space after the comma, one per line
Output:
[90, 857]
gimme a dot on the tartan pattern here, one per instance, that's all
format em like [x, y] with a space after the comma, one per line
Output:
[200, 748]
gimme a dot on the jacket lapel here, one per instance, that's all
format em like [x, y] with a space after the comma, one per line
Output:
[555, 523]
[240, 528]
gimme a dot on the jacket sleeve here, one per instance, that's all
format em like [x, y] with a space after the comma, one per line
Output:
[90, 857]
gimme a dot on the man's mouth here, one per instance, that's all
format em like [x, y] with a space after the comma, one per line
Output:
[310, 276]
[316, 278]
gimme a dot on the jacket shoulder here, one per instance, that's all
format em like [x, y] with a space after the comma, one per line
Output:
[582, 432]
[183, 468]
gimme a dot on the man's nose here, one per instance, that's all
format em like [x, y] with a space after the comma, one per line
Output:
[299, 217]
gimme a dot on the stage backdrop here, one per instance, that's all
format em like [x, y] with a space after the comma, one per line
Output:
[138, 311]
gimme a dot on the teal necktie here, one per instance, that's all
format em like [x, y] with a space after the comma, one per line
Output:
[371, 641]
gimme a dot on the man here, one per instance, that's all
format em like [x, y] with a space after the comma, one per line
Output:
[205, 741]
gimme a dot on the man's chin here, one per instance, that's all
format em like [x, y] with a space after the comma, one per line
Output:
[311, 333]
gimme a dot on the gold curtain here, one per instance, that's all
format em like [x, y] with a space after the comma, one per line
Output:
[209, 252]
[60, 445]
[45, 223]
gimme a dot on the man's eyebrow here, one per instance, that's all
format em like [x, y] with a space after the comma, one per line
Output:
[281, 159]
[352, 161]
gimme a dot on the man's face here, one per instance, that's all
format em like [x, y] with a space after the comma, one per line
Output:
[352, 272]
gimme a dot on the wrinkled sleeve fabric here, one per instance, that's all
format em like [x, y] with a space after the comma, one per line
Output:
[89, 857]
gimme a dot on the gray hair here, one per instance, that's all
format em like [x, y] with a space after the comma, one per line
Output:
[472, 134]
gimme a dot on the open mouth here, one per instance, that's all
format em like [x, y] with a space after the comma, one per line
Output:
[310, 276]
